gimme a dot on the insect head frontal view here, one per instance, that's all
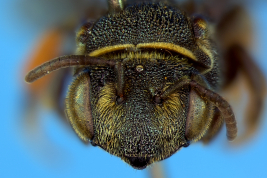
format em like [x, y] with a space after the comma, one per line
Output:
[145, 82]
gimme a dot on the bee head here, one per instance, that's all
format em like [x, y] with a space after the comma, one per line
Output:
[125, 64]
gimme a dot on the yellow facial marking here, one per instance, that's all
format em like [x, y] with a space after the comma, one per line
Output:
[155, 45]
[127, 56]
[109, 49]
[169, 46]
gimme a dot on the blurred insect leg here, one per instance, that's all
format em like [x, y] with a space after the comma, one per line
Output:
[190, 7]
[234, 28]
[256, 88]
[48, 47]
[56, 92]
[235, 34]
[157, 171]
[34, 134]
[213, 9]
[214, 128]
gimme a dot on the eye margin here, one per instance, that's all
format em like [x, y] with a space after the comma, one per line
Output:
[80, 115]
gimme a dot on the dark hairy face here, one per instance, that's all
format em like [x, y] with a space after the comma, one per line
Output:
[140, 129]
[157, 46]
[120, 109]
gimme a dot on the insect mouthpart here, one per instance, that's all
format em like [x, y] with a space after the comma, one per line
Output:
[138, 162]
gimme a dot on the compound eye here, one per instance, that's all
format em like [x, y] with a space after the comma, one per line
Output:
[78, 107]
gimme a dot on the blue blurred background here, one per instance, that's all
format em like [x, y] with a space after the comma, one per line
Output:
[59, 153]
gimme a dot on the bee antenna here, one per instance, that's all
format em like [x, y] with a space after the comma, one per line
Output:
[211, 96]
[63, 62]
[115, 6]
